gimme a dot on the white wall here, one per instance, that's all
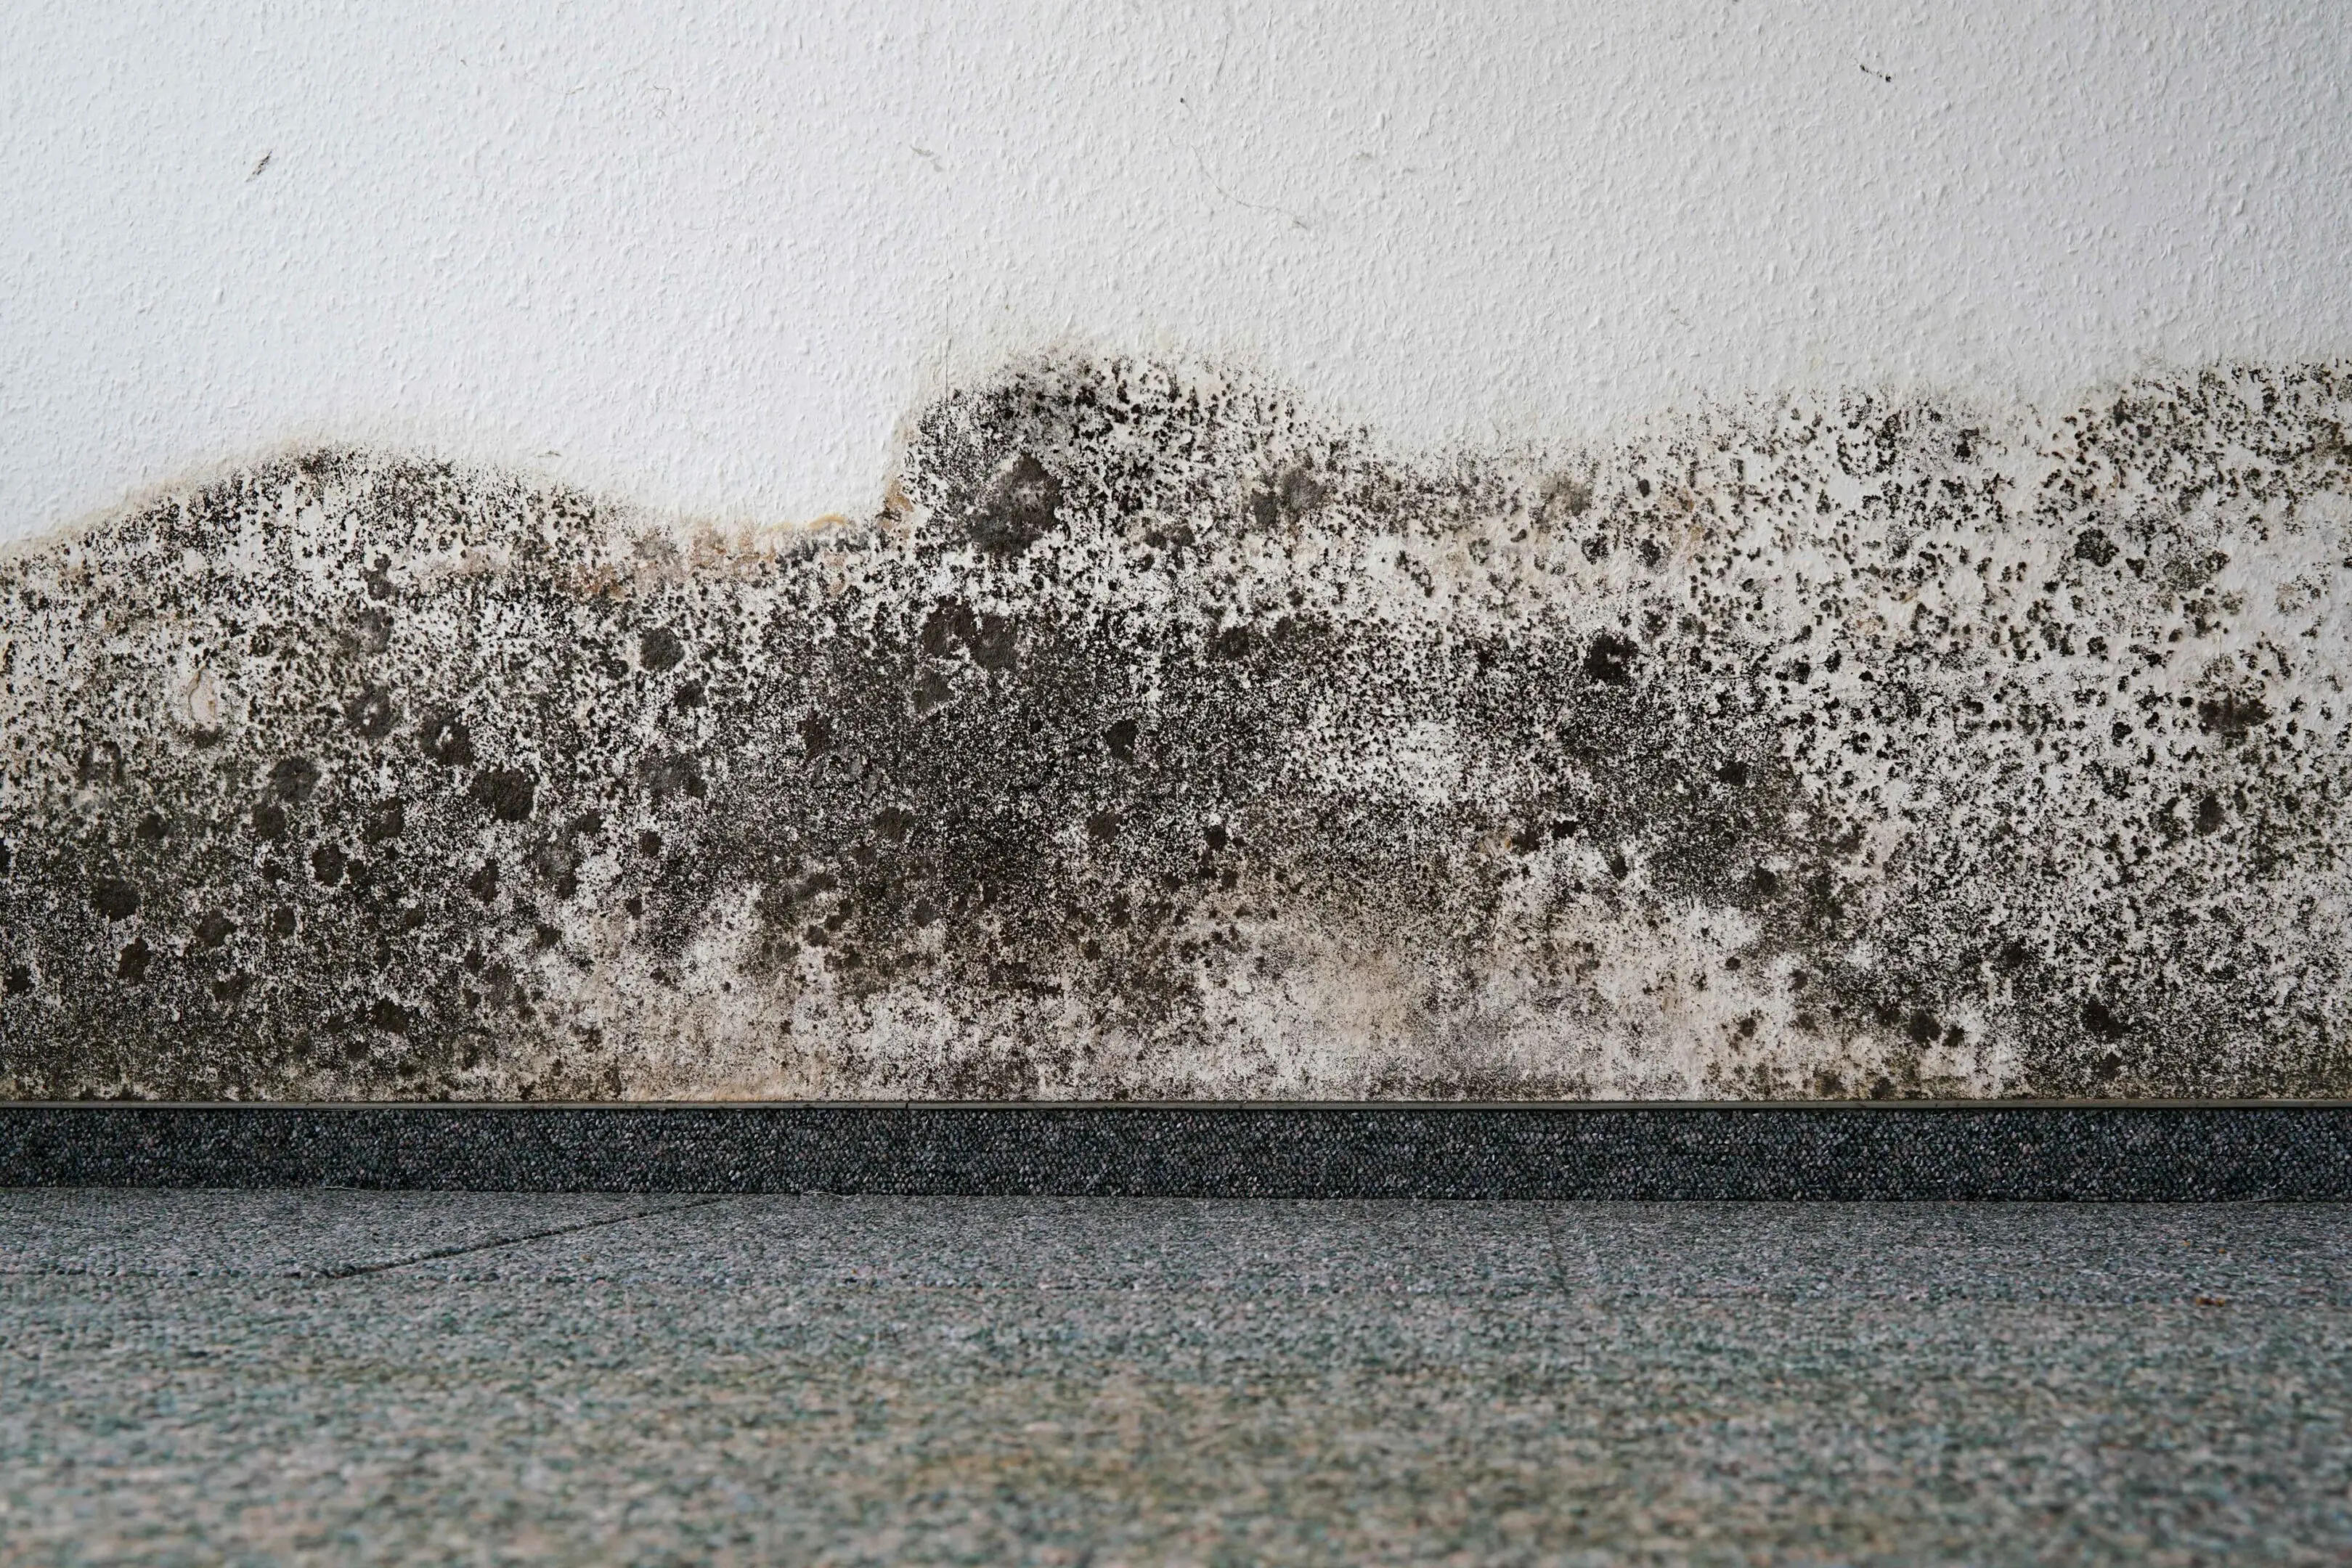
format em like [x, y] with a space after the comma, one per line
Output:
[711, 254]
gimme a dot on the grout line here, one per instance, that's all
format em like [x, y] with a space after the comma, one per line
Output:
[435, 1257]
[1556, 1218]
[1558, 1262]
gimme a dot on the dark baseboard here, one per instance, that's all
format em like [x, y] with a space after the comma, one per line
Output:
[2142, 1153]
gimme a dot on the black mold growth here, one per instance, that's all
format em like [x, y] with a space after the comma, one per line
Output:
[1161, 740]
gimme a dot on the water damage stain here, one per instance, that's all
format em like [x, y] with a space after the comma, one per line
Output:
[1160, 739]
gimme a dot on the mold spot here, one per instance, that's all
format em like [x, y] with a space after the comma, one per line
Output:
[1610, 660]
[101, 763]
[294, 777]
[1020, 506]
[675, 773]
[1565, 498]
[113, 897]
[507, 792]
[370, 714]
[447, 741]
[131, 964]
[949, 623]
[659, 649]
[2102, 1023]
[992, 643]
[2232, 715]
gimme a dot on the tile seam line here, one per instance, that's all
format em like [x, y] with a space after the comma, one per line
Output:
[1558, 1260]
[439, 1254]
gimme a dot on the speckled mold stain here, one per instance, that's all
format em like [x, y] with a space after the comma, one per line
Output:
[1159, 739]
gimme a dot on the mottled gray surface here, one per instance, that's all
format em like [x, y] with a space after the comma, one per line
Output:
[757, 1380]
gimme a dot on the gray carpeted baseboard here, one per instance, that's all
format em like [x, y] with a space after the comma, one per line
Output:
[1776, 1151]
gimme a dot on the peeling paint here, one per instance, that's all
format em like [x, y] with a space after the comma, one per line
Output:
[1160, 739]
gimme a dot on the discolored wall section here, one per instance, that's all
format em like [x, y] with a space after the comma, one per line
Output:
[1161, 738]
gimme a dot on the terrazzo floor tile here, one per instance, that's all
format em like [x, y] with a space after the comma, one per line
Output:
[1108, 1405]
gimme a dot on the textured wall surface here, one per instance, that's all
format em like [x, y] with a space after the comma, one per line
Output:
[1159, 738]
[1018, 549]
[711, 254]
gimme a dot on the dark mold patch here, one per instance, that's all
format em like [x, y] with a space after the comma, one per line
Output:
[1161, 740]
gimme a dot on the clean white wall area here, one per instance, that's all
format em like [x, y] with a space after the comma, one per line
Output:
[709, 254]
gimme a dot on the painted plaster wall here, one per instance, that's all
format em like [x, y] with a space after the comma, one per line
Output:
[715, 255]
[1733, 553]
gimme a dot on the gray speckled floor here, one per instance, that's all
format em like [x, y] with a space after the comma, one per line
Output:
[205, 1377]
